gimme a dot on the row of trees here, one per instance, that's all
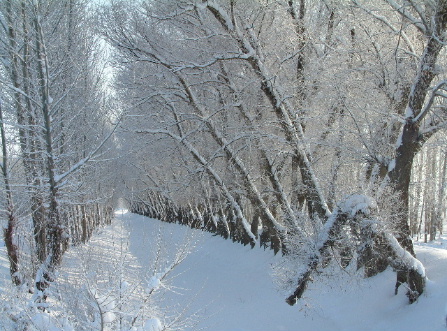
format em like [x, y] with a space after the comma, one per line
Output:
[56, 120]
[272, 113]
[301, 125]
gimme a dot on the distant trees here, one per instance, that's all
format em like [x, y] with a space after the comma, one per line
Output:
[428, 192]
[56, 120]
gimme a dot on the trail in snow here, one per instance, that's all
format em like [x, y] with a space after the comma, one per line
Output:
[224, 286]
[233, 288]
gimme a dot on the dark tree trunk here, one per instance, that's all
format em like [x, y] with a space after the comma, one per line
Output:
[12, 249]
[25, 118]
[412, 141]
[382, 244]
[8, 232]
[400, 179]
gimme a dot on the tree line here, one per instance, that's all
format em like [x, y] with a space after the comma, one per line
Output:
[56, 120]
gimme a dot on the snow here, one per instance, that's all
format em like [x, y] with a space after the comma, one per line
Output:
[232, 287]
[408, 259]
[124, 285]
[392, 164]
[357, 203]
[153, 283]
[399, 140]
[109, 317]
[153, 324]
[43, 321]
[409, 113]
[229, 287]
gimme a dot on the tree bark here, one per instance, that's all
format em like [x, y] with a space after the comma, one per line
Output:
[400, 179]
[9, 231]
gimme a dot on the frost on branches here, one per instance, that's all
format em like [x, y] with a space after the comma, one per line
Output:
[375, 247]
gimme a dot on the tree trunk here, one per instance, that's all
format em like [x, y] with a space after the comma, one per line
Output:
[9, 231]
[400, 179]
[55, 230]
[355, 215]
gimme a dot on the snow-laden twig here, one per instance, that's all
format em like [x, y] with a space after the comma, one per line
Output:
[385, 21]
[420, 24]
[428, 105]
[81, 163]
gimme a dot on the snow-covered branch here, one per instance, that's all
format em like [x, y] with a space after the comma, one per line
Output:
[21, 92]
[385, 21]
[435, 92]
[354, 211]
[420, 24]
[81, 163]
[196, 154]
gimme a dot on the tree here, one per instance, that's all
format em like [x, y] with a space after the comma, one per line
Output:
[423, 115]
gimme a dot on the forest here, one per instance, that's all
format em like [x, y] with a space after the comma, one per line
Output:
[311, 128]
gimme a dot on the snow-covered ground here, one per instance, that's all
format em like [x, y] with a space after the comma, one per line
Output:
[222, 286]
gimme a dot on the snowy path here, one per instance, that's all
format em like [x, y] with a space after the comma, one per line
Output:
[230, 286]
[227, 283]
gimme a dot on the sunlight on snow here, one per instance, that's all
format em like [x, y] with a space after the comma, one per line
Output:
[121, 211]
